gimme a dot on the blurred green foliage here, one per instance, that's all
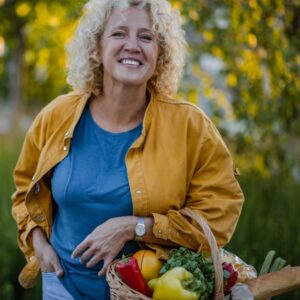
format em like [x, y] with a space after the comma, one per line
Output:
[243, 68]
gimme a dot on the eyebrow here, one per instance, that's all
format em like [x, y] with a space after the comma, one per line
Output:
[126, 27]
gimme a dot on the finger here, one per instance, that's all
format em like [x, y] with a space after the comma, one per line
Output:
[47, 269]
[58, 268]
[94, 260]
[80, 248]
[103, 271]
[86, 255]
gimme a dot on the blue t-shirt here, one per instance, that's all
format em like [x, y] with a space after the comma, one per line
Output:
[89, 187]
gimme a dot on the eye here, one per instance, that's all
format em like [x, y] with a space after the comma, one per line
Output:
[146, 37]
[118, 34]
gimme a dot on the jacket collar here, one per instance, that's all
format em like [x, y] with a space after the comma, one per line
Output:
[84, 97]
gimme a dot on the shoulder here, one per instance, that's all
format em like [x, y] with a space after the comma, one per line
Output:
[181, 108]
[61, 108]
[194, 121]
[183, 112]
[68, 103]
[191, 120]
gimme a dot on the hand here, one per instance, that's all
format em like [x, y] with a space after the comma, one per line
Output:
[105, 242]
[45, 253]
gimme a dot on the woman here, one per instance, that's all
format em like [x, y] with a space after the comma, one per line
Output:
[112, 163]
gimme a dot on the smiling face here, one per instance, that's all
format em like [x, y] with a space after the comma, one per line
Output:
[128, 47]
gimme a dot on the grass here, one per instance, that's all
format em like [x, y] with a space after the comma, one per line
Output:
[269, 220]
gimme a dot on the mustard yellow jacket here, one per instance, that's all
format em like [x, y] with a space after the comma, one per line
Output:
[179, 160]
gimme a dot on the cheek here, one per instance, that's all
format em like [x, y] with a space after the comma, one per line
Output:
[154, 57]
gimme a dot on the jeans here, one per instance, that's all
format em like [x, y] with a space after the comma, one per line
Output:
[53, 289]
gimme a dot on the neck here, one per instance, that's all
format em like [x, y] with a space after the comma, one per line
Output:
[120, 107]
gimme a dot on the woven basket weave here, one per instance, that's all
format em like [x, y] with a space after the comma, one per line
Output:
[120, 291]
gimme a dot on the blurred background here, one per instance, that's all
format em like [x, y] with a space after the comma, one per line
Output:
[243, 69]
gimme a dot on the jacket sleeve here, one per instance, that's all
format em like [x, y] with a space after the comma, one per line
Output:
[213, 192]
[23, 173]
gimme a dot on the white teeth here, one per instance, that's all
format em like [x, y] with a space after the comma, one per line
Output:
[130, 62]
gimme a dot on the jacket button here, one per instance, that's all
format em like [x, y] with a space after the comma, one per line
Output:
[65, 148]
[39, 218]
[37, 188]
[138, 192]
[32, 258]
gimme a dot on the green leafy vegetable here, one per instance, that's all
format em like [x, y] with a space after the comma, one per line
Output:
[201, 267]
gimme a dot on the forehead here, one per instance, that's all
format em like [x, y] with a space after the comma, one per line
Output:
[134, 17]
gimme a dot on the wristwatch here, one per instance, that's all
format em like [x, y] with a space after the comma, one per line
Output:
[140, 229]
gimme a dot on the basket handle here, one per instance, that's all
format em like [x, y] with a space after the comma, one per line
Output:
[214, 250]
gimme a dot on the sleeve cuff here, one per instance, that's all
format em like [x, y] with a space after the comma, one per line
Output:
[162, 228]
[26, 239]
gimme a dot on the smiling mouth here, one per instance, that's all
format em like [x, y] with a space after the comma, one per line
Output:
[130, 62]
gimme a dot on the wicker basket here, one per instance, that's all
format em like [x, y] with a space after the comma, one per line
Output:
[120, 291]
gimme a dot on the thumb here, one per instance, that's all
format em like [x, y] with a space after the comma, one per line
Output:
[58, 269]
[103, 271]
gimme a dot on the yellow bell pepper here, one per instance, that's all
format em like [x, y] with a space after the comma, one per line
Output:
[169, 286]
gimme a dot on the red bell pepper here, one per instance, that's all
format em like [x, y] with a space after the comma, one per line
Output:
[130, 273]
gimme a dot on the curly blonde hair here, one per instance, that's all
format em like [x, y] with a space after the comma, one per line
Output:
[84, 69]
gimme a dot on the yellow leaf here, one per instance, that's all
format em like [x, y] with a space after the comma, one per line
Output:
[231, 79]
[270, 21]
[194, 15]
[207, 92]
[252, 109]
[253, 4]
[43, 57]
[193, 96]
[54, 21]
[42, 13]
[252, 40]
[29, 57]
[177, 5]
[280, 9]
[62, 61]
[260, 165]
[208, 36]
[23, 9]
[218, 52]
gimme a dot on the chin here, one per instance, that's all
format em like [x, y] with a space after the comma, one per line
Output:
[133, 81]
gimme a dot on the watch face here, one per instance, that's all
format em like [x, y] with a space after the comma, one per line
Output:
[140, 230]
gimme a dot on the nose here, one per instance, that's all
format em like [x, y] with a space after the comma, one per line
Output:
[132, 44]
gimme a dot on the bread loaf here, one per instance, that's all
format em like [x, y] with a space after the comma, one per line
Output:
[275, 283]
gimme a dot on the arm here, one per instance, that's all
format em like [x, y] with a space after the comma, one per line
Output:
[107, 240]
[213, 192]
[45, 253]
[151, 238]
[31, 238]
[23, 173]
